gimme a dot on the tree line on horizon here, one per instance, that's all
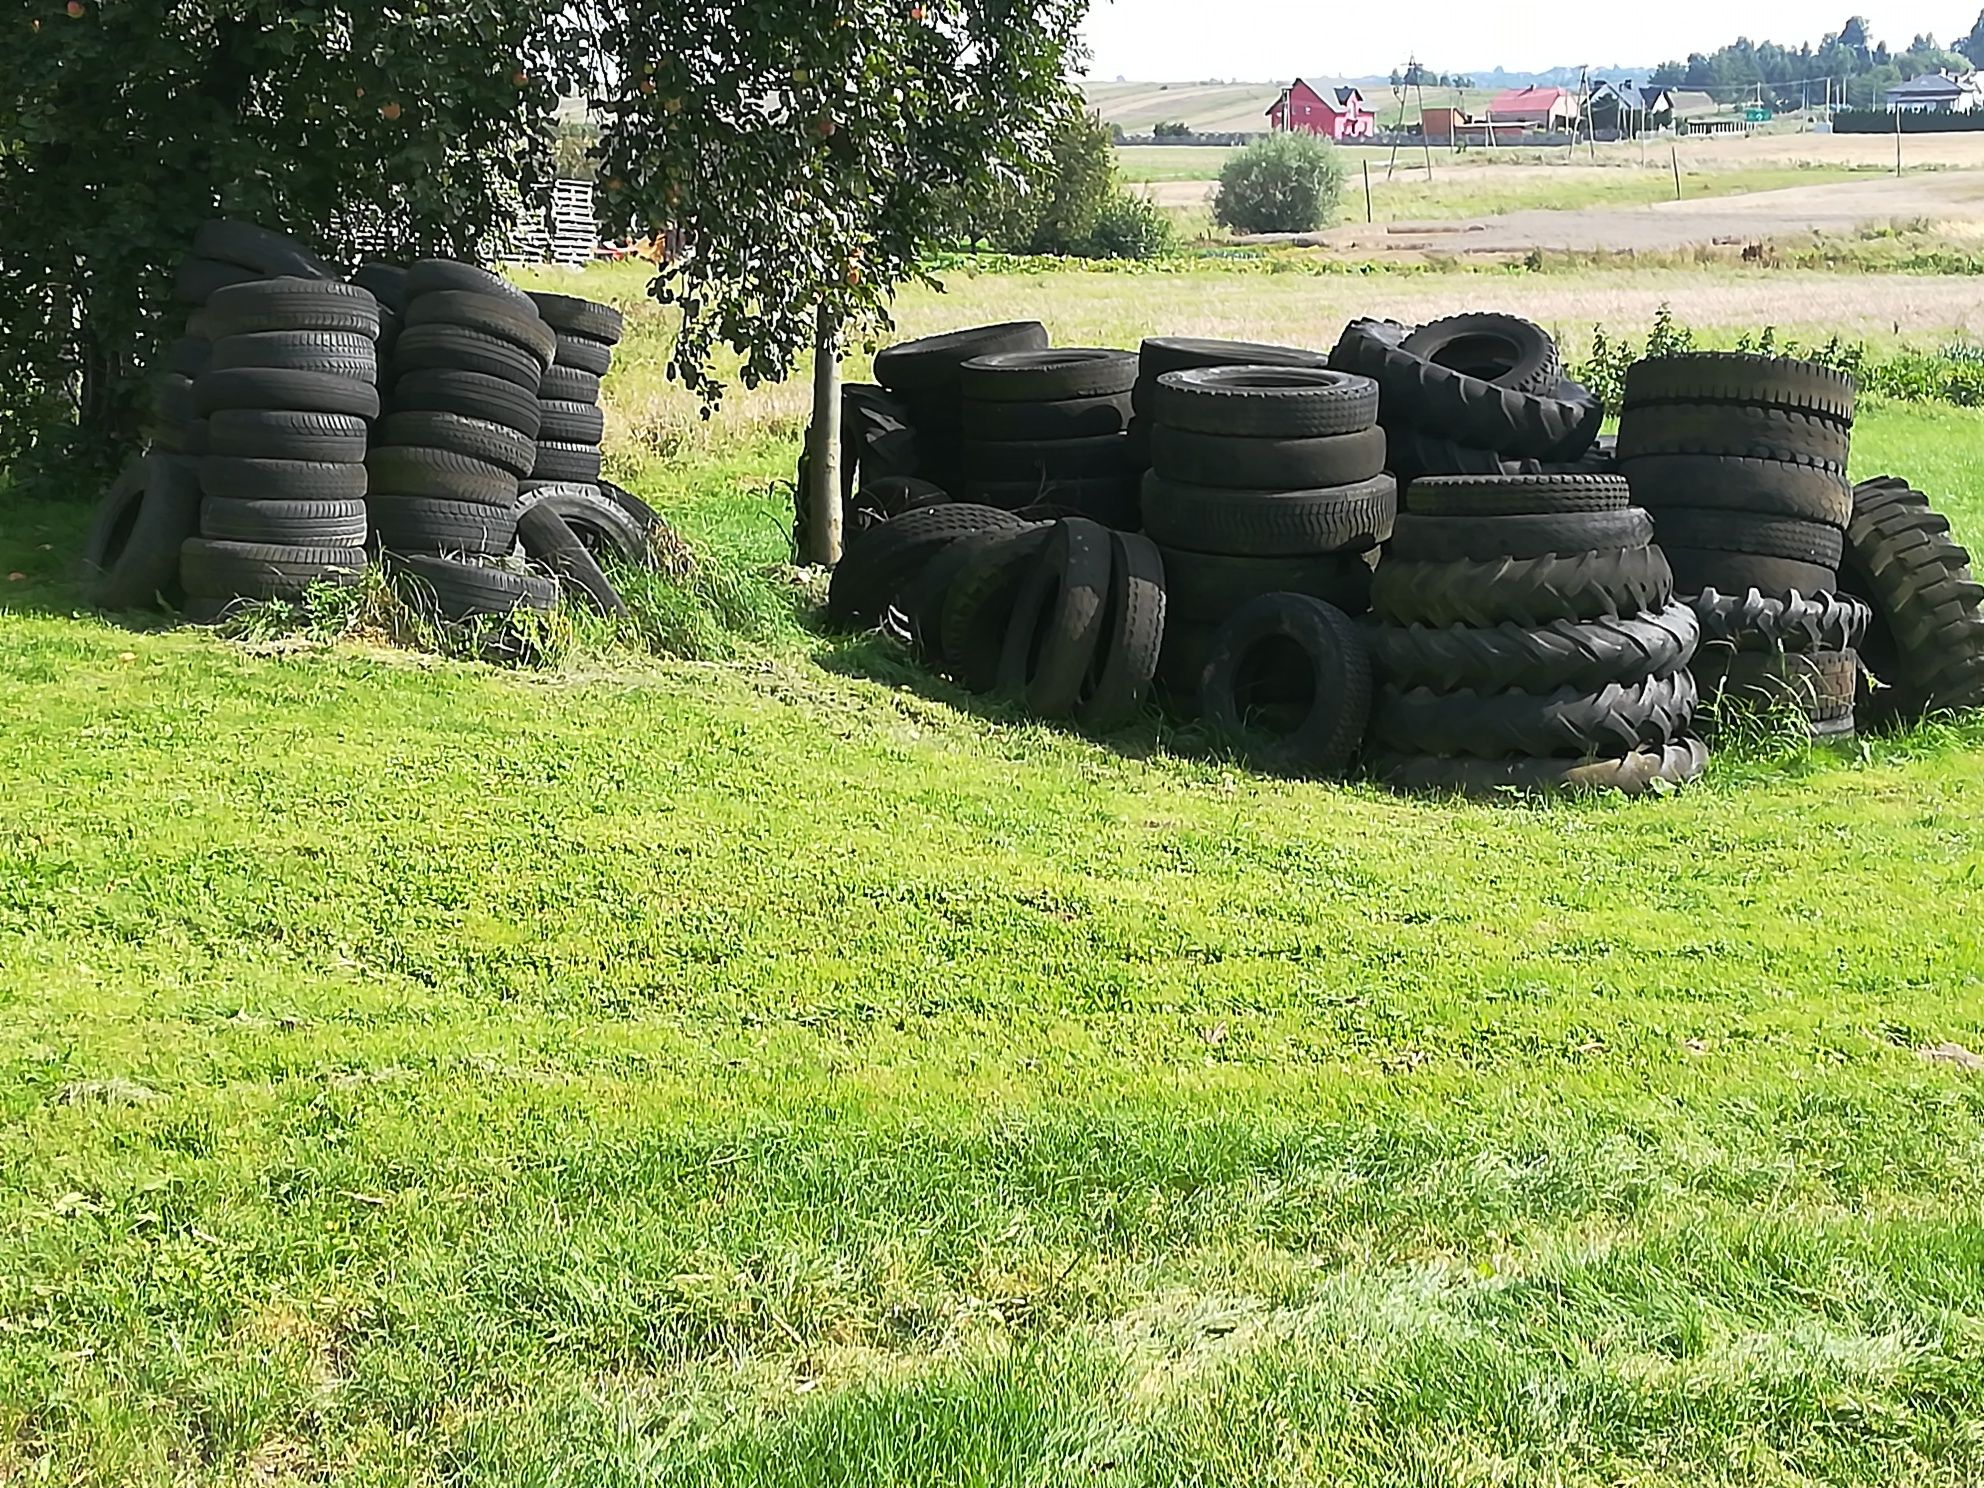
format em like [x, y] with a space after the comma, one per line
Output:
[1791, 76]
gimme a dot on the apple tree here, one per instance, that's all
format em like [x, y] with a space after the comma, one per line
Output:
[806, 156]
[405, 126]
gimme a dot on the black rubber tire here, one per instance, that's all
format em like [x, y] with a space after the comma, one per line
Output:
[552, 545]
[1616, 582]
[569, 385]
[1800, 623]
[1048, 376]
[918, 610]
[1207, 588]
[461, 590]
[1267, 402]
[131, 553]
[1584, 655]
[237, 570]
[1269, 524]
[1110, 500]
[1057, 622]
[187, 438]
[1616, 719]
[270, 254]
[1820, 685]
[489, 315]
[275, 434]
[930, 364]
[1733, 430]
[440, 275]
[1635, 774]
[329, 353]
[198, 280]
[303, 524]
[1740, 377]
[232, 476]
[1160, 355]
[1697, 570]
[1132, 636]
[880, 561]
[1413, 455]
[1097, 456]
[420, 524]
[1516, 495]
[1258, 464]
[571, 423]
[571, 316]
[294, 392]
[186, 358]
[1763, 487]
[1068, 418]
[479, 439]
[427, 347]
[1926, 639]
[614, 525]
[1500, 350]
[292, 304]
[577, 463]
[1471, 412]
[172, 398]
[1301, 663]
[495, 400]
[595, 357]
[442, 475]
[978, 611]
[387, 284]
[1742, 532]
[1444, 539]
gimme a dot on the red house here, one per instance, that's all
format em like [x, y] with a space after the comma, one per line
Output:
[1339, 114]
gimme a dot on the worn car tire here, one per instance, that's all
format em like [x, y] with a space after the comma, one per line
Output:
[243, 479]
[569, 385]
[978, 611]
[131, 552]
[1811, 493]
[552, 545]
[426, 347]
[594, 357]
[461, 589]
[480, 439]
[571, 423]
[440, 275]
[213, 570]
[1057, 621]
[410, 470]
[322, 524]
[1061, 419]
[1269, 524]
[1132, 636]
[516, 322]
[1288, 683]
[270, 254]
[1267, 402]
[422, 524]
[576, 463]
[272, 388]
[330, 353]
[292, 304]
[930, 364]
[472, 395]
[1048, 376]
[277, 434]
[571, 316]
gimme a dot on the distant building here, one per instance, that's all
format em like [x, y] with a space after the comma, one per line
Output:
[1626, 110]
[1338, 114]
[1936, 93]
[1545, 109]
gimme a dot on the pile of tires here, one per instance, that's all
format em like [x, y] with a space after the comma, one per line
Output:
[449, 459]
[1046, 429]
[1160, 355]
[1529, 641]
[289, 388]
[1263, 480]
[1473, 395]
[1742, 461]
[1924, 640]
[925, 376]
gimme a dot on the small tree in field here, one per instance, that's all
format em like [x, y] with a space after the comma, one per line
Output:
[808, 155]
[126, 123]
[1284, 183]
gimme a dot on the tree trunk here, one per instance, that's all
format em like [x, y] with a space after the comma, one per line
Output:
[823, 505]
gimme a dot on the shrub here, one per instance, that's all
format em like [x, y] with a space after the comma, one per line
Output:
[1172, 129]
[1284, 183]
[1131, 226]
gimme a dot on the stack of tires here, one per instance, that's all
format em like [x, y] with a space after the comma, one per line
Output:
[292, 380]
[925, 376]
[1472, 395]
[1164, 354]
[1264, 480]
[1046, 429]
[1288, 684]
[1529, 642]
[449, 459]
[1742, 461]
[1924, 643]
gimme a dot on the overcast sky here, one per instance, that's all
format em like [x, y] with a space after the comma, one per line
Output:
[1274, 40]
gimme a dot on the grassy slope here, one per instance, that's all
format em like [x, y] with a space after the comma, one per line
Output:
[759, 1075]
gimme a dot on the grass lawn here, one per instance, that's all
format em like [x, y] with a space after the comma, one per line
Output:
[780, 1072]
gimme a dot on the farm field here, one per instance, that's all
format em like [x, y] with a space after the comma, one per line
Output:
[778, 1069]
[1231, 108]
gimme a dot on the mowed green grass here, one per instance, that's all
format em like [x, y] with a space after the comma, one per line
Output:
[791, 1072]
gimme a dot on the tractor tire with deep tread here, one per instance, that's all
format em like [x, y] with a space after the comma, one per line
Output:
[1791, 622]
[1533, 592]
[1615, 719]
[1926, 640]
[1414, 455]
[1584, 655]
[1501, 350]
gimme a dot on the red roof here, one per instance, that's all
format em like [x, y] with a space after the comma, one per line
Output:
[1530, 100]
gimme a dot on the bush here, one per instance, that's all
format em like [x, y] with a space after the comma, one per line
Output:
[1172, 129]
[1284, 183]
[1131, 226]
